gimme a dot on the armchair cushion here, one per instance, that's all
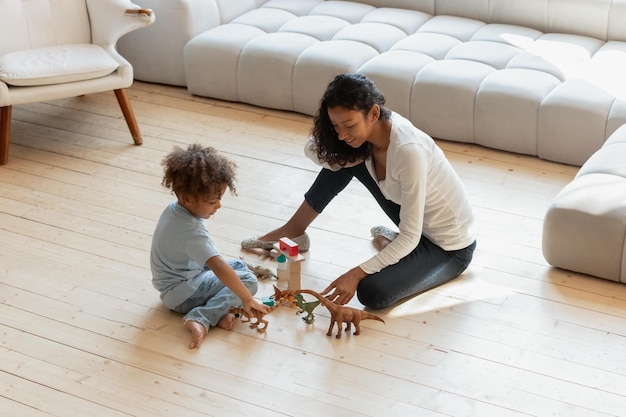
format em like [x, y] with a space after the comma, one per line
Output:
[56, 65]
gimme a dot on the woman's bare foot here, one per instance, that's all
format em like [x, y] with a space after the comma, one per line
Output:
[227, 321]
[281, 232]
[198, 332]
[295, 226]
[261, 245]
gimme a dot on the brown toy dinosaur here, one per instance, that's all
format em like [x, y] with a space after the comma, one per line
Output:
[259, 322]
[284, 296]
[257, 315]
[261, 272]
[342, 314]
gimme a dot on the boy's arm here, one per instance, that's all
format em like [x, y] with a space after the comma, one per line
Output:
[229, 277]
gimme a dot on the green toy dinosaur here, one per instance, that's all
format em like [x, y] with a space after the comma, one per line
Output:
[306, 307]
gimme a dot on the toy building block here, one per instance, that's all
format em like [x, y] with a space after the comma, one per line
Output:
[268, 301]
[292, 272]
[288, 246]
[294, 276]
[282, 270]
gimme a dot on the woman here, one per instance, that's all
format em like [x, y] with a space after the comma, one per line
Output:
[354, 135]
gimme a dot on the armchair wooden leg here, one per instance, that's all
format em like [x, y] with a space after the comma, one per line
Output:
[129, 115]
[5, 132]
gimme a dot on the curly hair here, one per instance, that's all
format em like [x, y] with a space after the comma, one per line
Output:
[197, 172]
[351, 91]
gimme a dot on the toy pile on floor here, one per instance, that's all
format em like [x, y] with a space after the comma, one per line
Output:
[288, 273]
[339, 314]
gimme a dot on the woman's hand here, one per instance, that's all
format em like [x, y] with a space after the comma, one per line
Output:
[344, 287]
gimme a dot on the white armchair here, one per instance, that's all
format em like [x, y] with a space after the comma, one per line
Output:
[57, 49]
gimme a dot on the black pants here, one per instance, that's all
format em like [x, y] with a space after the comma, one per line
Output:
[425, 267]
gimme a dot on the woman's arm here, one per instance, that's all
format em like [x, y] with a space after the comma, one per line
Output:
[410, 172]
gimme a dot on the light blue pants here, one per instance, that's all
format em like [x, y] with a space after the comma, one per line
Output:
[212, 299]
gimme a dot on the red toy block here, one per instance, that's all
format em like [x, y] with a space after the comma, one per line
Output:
[288, 246]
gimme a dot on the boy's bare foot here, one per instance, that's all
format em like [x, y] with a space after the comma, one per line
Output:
[227, 321]
[198, 332]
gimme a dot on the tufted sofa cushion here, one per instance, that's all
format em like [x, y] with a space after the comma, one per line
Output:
[585, 227]
[506, 86]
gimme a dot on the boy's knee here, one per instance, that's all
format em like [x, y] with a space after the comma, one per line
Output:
[238, 265]
[250, 282]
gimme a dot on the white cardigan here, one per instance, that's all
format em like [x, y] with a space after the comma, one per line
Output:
[433, 201]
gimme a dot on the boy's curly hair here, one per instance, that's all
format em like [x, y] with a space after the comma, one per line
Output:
[197, 172]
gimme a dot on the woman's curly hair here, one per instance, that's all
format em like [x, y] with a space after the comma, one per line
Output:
[350, 91]
[198, 172]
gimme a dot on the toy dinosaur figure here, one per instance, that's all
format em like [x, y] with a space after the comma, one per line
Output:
[306, 307]
[283, 296]
[259, 323]
[342, 314]
[261, 272]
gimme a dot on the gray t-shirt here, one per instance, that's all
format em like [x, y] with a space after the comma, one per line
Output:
[181, 245]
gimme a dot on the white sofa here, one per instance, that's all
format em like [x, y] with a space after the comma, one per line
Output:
[537, 77]
[158, 50]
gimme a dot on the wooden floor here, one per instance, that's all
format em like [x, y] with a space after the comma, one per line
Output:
[83, 332]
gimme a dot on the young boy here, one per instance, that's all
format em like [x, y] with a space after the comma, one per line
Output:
[187, 269]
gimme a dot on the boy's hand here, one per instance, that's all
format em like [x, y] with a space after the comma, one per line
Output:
[229, 277]
[251, 303]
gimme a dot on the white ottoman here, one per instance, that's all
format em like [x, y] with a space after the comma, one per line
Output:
[585, 227]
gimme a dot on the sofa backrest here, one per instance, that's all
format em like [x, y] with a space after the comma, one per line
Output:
[426, 6]
[40, 23]
[230, 9]
[601, 19]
